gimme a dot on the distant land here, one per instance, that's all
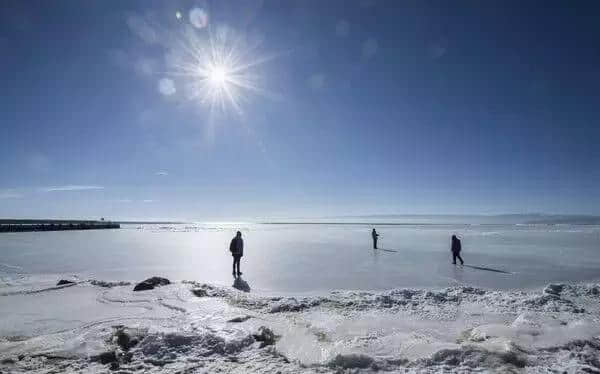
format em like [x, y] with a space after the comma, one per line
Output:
[372, 219]
[440, 219]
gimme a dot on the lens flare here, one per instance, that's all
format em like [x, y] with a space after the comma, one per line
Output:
[220, 69]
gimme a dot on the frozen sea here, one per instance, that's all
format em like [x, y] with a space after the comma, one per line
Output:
[331, 301]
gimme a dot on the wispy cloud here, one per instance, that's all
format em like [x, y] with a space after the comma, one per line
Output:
[133, 201]
[71, 187]
[10, 194]
[121, 201]
[162, 173]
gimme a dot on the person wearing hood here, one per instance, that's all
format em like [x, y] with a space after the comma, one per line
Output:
[456, 248]
[236, 247]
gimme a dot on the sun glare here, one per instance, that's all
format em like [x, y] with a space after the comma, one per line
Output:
[218, 76]
[219, 68]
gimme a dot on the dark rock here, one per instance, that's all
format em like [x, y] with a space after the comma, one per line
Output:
[350, 361]
[124, 341]
[21, 357]
[472, 290]
[150, 283]
[105, 357]
[156, 362]
[7, 361]
[265, 336]
[176, 340]
[554, 289]
[200, 292]
[63, 282]
[114, 366]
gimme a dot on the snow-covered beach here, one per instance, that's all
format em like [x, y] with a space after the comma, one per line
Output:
[282, 187]
[320, 300]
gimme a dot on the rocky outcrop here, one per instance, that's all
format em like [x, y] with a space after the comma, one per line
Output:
[554, 289]
[199, 292]
[105, 357]
[123, 340]
[265, 336]
[351, 361]
[151, 283]
[64, 282]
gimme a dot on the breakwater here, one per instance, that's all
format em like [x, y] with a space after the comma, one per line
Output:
[57, 226]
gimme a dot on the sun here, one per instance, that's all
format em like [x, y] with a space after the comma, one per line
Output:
[218, 76]
[218, 68]
[218, 83]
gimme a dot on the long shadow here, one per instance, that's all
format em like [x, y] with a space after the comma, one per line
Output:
[241, 284]
[487, 269]
[387, 250]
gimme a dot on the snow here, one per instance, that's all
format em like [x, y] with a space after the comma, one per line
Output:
[276, 321]
[461, 328]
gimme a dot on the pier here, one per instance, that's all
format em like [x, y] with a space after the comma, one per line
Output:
[54, 225]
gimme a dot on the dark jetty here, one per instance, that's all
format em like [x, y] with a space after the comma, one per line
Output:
[54, 225]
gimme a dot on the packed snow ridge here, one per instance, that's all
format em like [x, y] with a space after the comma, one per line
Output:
[190, 327]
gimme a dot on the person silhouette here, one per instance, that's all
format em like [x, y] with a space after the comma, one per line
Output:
[236, 247]
[375, 235]
[456, 248]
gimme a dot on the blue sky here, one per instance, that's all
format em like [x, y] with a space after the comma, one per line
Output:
[347, 107]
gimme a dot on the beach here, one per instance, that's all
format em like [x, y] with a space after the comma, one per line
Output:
[320, 299]
[282, 187]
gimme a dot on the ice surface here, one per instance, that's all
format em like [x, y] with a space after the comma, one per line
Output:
[307, 258]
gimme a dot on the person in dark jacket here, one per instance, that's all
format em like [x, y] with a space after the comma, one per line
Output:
[237, 251]
[456, 248]
[375, 235]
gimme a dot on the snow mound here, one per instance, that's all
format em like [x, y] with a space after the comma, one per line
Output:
[198, 327]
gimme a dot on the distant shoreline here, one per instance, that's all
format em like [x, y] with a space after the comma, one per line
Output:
[432, 224]
[540, 221]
